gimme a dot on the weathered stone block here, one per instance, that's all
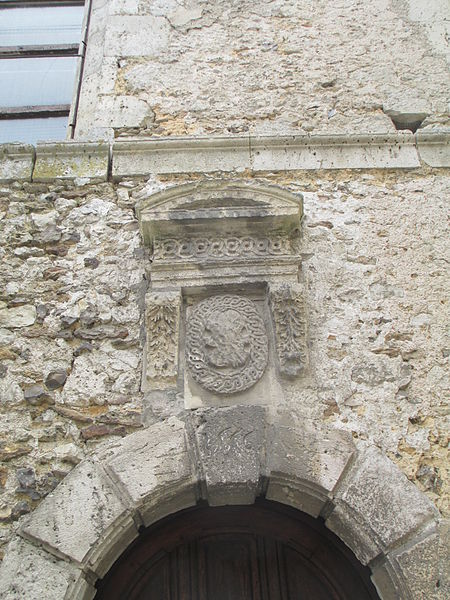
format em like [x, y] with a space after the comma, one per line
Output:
[180, 155]
[434, 148]
[154, 469]
[230, 447]
[376, 506]
[19, 316]
[289, 318]
[347, 151]
[305, 465]
[16, 162]
[69, 160]
[79, 516]
[419, 570]
[136, 35]
[31, 573]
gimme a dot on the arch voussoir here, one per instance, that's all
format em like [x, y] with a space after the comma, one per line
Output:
[226, 456]
[376, 507]
[305, 464]
[153, 470]
[82, 516]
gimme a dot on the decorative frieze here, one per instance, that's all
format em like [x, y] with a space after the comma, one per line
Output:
[162, 328]
[288, 313]
[220, 248]
[226, 344]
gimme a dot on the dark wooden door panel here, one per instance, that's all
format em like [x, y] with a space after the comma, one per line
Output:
[264, 552]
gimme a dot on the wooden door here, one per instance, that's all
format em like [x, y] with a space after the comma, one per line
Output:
[261, 552]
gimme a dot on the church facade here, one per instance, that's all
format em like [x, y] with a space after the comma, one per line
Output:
[223, 310]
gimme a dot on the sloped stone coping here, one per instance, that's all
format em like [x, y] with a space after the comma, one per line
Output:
[227, 456]
[136, 157]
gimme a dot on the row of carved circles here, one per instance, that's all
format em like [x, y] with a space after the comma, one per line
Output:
[220, 247]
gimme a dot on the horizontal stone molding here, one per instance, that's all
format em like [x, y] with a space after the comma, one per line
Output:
[137, 157]
[71, 160]
[227, 456]
[265, 153]
[434, 148]
[16, 162]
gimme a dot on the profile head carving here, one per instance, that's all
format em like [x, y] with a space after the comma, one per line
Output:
[227, 346]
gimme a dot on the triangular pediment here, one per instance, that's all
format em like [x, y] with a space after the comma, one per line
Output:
[216, 205]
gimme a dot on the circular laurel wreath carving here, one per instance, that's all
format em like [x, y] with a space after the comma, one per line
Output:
[226, 344]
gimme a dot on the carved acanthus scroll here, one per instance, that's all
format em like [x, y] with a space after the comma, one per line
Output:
[163, 324]
[288, 312]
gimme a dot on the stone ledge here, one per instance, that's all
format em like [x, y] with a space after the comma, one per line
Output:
[377, 151]
[16, 162]
[264, 153]
[180, 155]
[71, 160]
[434, 148]
[376, 507]
[138, 157]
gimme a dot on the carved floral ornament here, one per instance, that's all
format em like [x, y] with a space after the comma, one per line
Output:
[220, 237]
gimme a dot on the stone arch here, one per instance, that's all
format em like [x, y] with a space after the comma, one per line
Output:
[226, 456]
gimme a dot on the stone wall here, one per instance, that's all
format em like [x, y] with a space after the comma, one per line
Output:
[199, 67]
[72, 328]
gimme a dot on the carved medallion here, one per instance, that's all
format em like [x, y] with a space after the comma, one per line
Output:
[226, 344]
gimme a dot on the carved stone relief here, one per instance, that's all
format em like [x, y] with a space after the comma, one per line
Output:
[162, 327]
[226, 344]
[229, 247]
[288, 313]
[221, 239]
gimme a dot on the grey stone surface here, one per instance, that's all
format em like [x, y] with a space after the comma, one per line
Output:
[154, 469]
[349, 151]
[268, 153]
[434, 147]
[221, 68]
[16, 162]
[230, 447]
[55, 379]
[82, 513]
[419, 570]
[178, 155]
[35, 394]
[376, 506]
[305, 464]
[20, 316]
[30, 573]
[71, 160]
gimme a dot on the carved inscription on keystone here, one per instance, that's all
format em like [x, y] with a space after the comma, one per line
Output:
[288, 312]
[226, 344]
[163, 323]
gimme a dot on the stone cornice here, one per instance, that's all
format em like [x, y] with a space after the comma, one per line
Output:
[136, 157]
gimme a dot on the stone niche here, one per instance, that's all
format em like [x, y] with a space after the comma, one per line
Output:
[225, 318]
